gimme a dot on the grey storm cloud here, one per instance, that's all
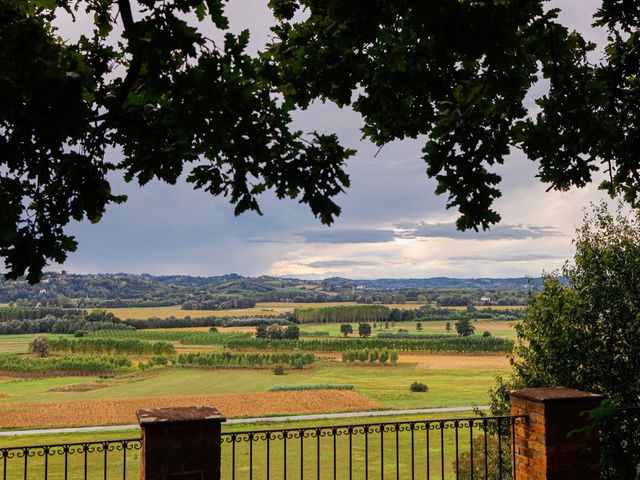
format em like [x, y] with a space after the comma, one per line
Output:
[356, 235]
[411, 230]
[340, 264]
[507, 257]
[497, 232]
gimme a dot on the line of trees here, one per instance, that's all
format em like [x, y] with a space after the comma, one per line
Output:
[275, 332]
[241, 360]
[209, 321]
[372, 356]
[184, 337]
[111, 346]
[67, 365]
[445, 344]
[343, 313]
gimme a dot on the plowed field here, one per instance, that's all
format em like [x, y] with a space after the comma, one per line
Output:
[122, 411]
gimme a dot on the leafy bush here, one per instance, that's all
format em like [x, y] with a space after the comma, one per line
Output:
[278, 369]
[41, 346]
[418, 387]
[486, 334]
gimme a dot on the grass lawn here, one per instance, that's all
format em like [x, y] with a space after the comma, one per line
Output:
[360, 458]
[387, 385]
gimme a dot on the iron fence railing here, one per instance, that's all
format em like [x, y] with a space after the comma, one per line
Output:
[478, 448]
[108, 459]
[462, 448]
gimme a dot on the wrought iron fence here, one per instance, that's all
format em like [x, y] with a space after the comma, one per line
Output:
[476, 448]
[464, 448]
[109, 459]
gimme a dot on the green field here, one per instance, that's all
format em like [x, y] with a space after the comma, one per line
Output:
[387, 385]
[310, 445]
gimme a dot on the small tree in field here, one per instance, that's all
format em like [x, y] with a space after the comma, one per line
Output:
[384, 356]
[447, 326]
[363, 355]
[261, 331]
[373, 356]
[419, 326]
[40, 346]
[364, 330]
[464, 327]
[346, 329]
[393, 357]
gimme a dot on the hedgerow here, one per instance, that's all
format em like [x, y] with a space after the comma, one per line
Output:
[111, 346]
[244, 360]
[448, 344]
[67, 365]
[318, 386]
[210, 321]
[184, 337]
[340, 314]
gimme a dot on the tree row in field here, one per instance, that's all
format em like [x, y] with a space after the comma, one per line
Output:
[244, 341]
[372, 356]
[18, 320]
[244, 360]
[68, 365]
[339, 314]
[112, 346]
[184, 337]
[448, 344]
[210, 321]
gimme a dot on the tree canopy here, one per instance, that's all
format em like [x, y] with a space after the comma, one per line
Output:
[581, 330]
[146, 82]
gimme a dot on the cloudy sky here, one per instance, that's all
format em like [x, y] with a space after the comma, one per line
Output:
[392, 224]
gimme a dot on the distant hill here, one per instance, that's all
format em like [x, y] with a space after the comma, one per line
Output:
[140, 290]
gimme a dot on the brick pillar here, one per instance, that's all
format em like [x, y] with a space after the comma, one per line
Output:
[544, 449]
[180, 443]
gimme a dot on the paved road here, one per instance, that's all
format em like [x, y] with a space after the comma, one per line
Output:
[238, 421]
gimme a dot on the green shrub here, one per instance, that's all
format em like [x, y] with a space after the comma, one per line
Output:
[418, 387]
[486, 334]
[79, 333]
[278, 369]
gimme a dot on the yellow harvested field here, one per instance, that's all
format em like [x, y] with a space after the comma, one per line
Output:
[454, 362]
[122, 411]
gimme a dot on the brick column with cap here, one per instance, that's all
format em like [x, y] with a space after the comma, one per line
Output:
[547, 447]
[180, 443]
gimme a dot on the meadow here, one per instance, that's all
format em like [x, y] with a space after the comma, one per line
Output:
[112, 398]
